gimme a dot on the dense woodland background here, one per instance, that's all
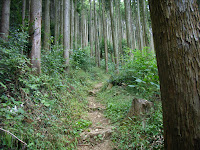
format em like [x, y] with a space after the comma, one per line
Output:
[54, 51]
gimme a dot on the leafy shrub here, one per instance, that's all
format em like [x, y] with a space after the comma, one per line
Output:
[53, 61]
[81, 59]
[44, 111]
[139, 73]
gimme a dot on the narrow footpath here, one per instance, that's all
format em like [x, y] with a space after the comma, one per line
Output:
[97, 136]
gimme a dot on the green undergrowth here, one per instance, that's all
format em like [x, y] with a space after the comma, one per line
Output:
[130, 133]
[45, 111]
[139, 72]
[138, 78]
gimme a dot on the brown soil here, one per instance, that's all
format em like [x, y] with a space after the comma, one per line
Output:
[97, 136]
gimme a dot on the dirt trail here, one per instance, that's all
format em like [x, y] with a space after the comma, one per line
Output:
[97, 136]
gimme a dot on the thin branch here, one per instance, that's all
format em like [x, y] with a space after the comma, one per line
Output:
[13, 136]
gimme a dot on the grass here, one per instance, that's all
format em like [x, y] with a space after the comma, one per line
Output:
[129, 132]
[49, 110]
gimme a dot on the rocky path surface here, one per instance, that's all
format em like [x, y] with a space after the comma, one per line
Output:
[97, 136]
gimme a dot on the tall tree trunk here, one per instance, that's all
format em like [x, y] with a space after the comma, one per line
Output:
[176, 35]
[82, 24]
[114, 37]
[61, 21]
[57, 22]
[144, 24]
[47, 33]
[99, 19]
[23, 12]
[35, 34]
[29, 11]
[119, 27]
[105, 35]
[66, 36]
[71, 24]
[90, 37]
[151, 41]
[140, 38]
[5, 20]
[133, 26]
[96, 35]
[75, 25]
[128, 26]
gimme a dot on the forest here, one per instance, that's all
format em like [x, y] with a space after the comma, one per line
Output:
[99, 74]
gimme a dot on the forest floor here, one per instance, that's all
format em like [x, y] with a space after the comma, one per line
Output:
[97, 136]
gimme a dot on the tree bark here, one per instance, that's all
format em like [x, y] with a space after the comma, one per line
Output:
[75, 25]
[144, 25]
[47, 33]
[23, 12]
[61, 21]
[71, 24]
[105, 34]
[114, 38]
[57, 22]
[140, 38]
[5, 20]
[119, 27]
[66, 36]
[90, 37]
[82, 24]
[176, 33]
[128, 26]
[96, 35]
[35, 34]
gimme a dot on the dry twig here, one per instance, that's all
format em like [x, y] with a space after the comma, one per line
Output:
[13, 136]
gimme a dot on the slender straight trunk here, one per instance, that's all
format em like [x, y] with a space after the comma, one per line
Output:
[29, 11]
[128, 25]
[71, 24]
[35, 34]
[136, 26]
[75, 25]
[90, 37]
[82, 24]
[5, 20]
[23, 12]
[119, 27]
[86, 31]
[133, 20]
[57, 23]
[132, 23]
[140, 37]
[151, 41]
[176, 35]
[61, 21]
[99, 19]
[105, 34]
[114, 38]
[144, 25]
[47, 33]
[66, 29]
[96, 35]
[52, 16]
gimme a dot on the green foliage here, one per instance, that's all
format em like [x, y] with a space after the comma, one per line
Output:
[139, 73]
[44, 111]
[131, 133]
[53, 61]
[81, 59]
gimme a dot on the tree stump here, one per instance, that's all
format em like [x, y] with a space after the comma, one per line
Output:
[140, 107]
